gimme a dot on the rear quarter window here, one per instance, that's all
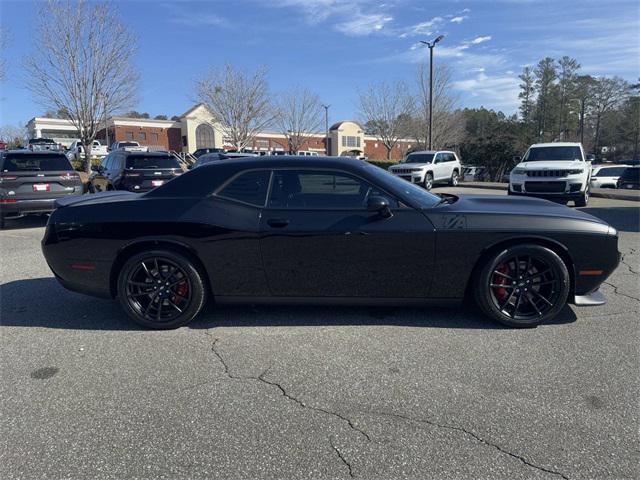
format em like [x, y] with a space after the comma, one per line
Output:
[142, 162]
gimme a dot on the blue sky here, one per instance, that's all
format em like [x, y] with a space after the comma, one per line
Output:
[337, 47]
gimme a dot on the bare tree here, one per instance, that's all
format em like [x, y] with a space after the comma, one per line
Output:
[385, 108]
[82, 64]
[299, 116]
[239, 102]
[448, 125]
[15, 136]
[606, 94]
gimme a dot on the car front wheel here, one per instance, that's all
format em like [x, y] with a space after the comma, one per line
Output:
[584, 199]
[428, 181]
[454, 179]
[522, 286]
[161, 289]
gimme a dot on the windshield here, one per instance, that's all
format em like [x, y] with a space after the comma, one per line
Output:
[35, 162]
[419, 194]
[136, 162]
[40, 141]
[419, 158]
[552, 153]
[610, 172]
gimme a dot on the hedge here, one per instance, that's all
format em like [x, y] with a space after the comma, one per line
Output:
[79, 164]
[381, 164]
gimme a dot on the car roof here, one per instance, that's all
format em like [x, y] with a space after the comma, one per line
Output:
[288, 161]
[556, 144]
[147, 154]
[25, 151]
[431, 151]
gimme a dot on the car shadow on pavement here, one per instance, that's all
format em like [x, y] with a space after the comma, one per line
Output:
[624, 219]
[29, 221]
[42, 302]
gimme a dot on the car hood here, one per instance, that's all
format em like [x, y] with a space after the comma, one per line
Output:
[552, 165]
[102, 197]
[495, 212]
[409, 165]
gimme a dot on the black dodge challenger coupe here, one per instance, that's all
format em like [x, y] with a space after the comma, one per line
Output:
[325, 231]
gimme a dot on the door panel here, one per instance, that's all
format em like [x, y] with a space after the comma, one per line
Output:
[338, 252]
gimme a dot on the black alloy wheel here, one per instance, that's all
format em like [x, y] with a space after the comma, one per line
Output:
[523, 286]
[428, 181]
[161, 289]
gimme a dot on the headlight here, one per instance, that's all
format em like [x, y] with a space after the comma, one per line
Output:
[518, 171]
[576, 171]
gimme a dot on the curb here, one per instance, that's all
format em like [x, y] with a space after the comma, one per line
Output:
[595, 192]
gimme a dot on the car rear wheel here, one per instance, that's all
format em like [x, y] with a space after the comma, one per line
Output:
[584, 199]
[522, 286]
[161, 289]
[454, 179]
[428, 181]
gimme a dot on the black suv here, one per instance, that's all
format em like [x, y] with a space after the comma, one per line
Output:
[203, 151]
[630, 179]
[133, 171]
[31, 181]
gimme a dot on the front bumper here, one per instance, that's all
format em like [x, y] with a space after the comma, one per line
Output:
[592, 299]
[411, 177]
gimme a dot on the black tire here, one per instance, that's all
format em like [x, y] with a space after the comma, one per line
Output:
[454, 179]
[91, 189]
[522, 286]
[158, 280]
[584, 198]
[428, 181]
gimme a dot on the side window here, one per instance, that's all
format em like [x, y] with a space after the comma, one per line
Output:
[320, 190]
[249, 187]
[118, 162]
[450, 157]
[438, 158]
[107, 160]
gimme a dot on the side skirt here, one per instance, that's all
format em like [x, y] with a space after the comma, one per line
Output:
[338, 301]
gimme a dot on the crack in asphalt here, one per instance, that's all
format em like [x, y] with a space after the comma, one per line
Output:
[475, 436]
[624, 262]
[261, 378]
[616, 292]
[341, 457]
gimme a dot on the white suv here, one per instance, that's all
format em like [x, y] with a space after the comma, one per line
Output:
[556, 171]
[429, 167]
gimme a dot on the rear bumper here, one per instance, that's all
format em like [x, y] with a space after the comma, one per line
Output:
[22, 207]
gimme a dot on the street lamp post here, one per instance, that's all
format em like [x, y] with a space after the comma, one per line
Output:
[326, 128]
[431, 45]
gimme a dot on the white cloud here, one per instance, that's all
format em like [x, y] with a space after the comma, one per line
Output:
[499, 91]
[364, 24]
[183, 16]
[478, 40]
[458, 19]
[423, 28]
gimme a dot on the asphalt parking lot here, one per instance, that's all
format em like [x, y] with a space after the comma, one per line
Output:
[290, 392]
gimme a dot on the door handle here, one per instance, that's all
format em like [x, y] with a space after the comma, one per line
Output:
[277, 222]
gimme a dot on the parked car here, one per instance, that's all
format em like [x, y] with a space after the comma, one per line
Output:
[203, 151]
[472, 173]
[76, 150]
[31, 181]
[630, 179]
[606, 176]
[504, 178]
[556, 171]
[214, 157]
[128, 146]
[42, 144]
[324, 230]
[428, 168]
[133, 171]
[307, 153]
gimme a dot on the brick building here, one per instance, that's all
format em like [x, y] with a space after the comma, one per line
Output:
[196, 128]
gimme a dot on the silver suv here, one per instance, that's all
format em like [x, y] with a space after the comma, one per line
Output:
[429, 167]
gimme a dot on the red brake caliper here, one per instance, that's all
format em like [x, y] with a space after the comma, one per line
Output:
[181, 291]
[501, 293]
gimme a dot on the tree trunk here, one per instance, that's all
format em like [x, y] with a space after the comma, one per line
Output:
[388, 152]
[86, 152]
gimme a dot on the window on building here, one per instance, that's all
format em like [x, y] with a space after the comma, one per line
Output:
[143, 136]
[205, 136]
[154, 138]
[261, 143]
[129, 135]
[249, 187]
[350, 141]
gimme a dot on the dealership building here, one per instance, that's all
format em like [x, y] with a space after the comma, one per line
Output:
[196, 128]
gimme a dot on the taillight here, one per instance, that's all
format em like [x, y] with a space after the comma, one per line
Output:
[7, 177]
[8, 200]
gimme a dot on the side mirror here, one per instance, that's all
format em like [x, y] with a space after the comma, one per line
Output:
[516, 159]
[379, 205]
